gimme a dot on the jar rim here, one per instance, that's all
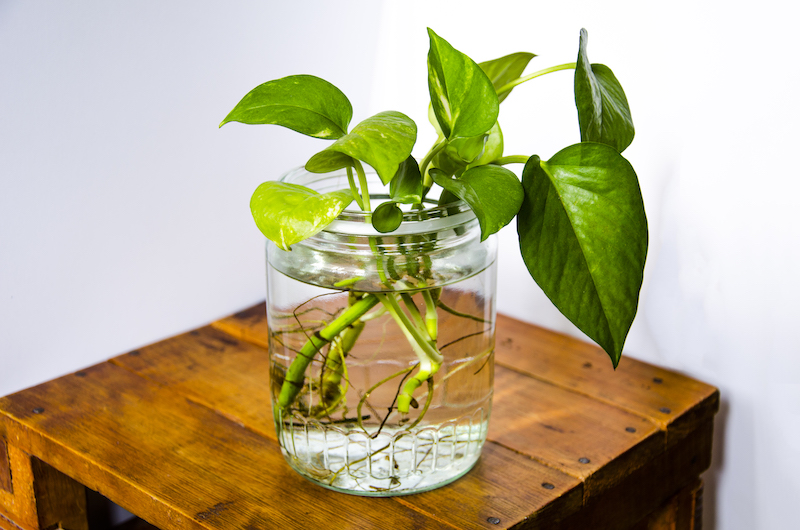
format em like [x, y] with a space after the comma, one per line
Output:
[432, 218]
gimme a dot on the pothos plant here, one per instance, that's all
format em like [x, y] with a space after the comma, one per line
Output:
[580, 216]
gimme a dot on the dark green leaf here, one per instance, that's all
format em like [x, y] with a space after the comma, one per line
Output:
[603, 112]
[493, 192]
[505, 69]
[303, 103]
[406, 186]
[387, 217]
[288, 213]
[463, 98]
[446, 198]
[383, 141]
[583, 235]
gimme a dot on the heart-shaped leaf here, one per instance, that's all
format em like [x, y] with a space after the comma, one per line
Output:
[387, 217]
[583, 235]
[383, 141]
[287, 213]
[505, 69]
[303, 103]
[463, 98]
[406, 186]
[493, 192]
[603, 112]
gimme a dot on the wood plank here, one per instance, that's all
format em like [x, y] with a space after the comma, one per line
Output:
[680, 512]
[676, 403]
[503, 489]
[249, 325]
[225, 374]
[178, 464]
[580, 436]
[20, 504]
[5, 468]
[60, 501]
[645, 489]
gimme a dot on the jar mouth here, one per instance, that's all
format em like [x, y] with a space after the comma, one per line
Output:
[433, 217]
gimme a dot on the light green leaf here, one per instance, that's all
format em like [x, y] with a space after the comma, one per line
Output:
[383, 141]
[506, 69]
[463, 98]
[583, 235]
[303, 103]
[464, 153]
[603, 112]
[387, 217]
[492, 148]
[494, 193]
[287, 213]
[406, 186]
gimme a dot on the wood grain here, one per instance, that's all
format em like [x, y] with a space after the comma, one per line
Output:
[674, 402]
[179, 464]
[180, 433]
[585, 438]
[645, 489]
[5, 469]
[210, 367]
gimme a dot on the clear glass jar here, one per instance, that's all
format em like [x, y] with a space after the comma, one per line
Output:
[358, 320]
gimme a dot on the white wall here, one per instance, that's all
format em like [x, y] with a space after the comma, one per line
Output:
[123, 210]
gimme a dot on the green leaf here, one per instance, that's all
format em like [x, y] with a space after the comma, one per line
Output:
[494, 193]
[464, 153]
[387, 217]
[303, 103]
[287, 213]
[583, 235]
[506, 69]
[463, 98]
[406, 186]
[603, 112]
[492, 148]
[383, 141]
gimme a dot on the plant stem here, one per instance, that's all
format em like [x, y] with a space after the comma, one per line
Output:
[429, 357]
[353, 188]
[431, 316]
[505, 88]
[295, 375]
[511, 159]
[423, 167]
[362, 181]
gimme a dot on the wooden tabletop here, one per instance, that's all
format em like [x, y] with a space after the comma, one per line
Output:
[180, 433]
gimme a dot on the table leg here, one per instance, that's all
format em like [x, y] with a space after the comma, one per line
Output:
[36, 496]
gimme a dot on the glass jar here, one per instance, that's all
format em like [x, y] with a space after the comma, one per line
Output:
[382, 346]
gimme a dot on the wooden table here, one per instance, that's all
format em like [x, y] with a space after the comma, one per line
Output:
[180, 433]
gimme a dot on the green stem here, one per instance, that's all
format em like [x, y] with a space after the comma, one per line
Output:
[295, 375]
[353, 189]
[427, 181]
[421, 346]
[518, 81]
[362, 181]
[431, 316]
[511, 159]
[430, 360]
